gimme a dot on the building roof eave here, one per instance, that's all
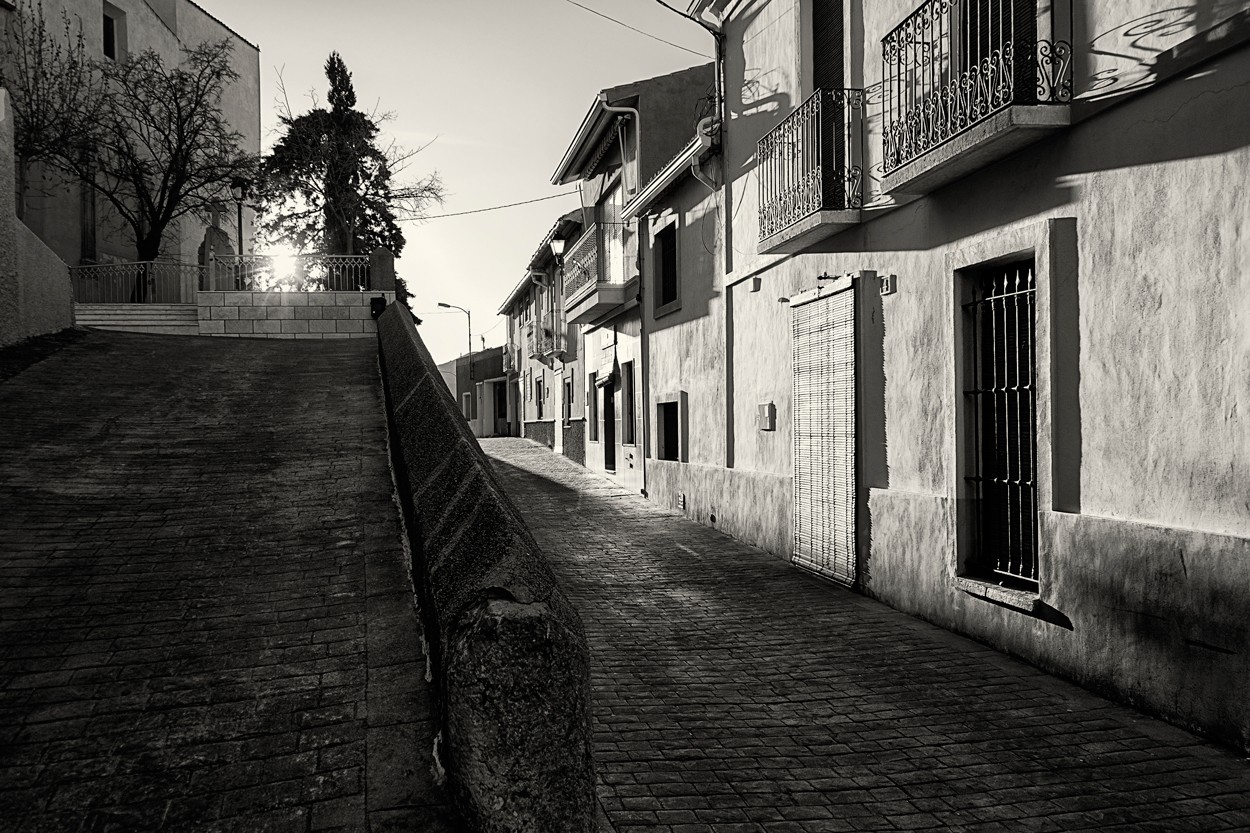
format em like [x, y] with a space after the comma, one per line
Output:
[675, 170]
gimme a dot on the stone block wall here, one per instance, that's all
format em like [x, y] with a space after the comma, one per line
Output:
[301, 315]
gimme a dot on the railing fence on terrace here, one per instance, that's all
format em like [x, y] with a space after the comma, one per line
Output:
[306, 273]
[140, 282]
[813, 160]
[581, 264]
[954, 63]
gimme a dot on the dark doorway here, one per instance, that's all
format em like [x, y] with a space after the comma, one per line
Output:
[501, 409]
[609, 426]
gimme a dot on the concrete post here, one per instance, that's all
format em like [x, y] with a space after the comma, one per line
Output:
[382, 270]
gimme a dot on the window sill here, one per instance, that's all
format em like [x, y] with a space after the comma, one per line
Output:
[1027, 601]
[667, 309]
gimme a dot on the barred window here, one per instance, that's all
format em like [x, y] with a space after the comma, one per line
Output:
[1001, 422]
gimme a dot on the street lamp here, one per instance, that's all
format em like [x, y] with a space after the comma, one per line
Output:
[470, 318]
[240, 189]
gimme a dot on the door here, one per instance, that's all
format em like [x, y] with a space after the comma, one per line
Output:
[823, 405]
[609, 426]
[501, 409]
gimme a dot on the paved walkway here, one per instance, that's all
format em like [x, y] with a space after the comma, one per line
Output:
[203, 621]
[734, 693]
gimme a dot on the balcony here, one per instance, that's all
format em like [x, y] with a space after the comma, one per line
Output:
[531, 341]
[967, 82]
[510, 363]
[810, 172]
[587, 293]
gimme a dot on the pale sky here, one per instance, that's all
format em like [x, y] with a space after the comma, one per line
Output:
[502, 84]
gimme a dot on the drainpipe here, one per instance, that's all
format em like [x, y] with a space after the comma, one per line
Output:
[603, 102]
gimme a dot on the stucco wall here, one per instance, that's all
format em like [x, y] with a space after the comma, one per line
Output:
[1144, 452]
[35, 292]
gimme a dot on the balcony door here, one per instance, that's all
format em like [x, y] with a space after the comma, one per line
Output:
[612, 207]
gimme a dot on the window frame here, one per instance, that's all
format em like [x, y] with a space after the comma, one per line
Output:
[592, 407]
[667, 227]
[1052, 246]
[629, 413]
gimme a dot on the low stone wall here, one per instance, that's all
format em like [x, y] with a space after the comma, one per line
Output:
[574, 441]
[301, 315]
[540, 431]
[507, 647]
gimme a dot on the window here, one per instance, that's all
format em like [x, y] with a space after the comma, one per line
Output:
[1001, 423]
[592, 405]
[538, 397]
[466, 405]
[665, 256]
[114, 33]
[627, 404]
[611, 209]
[568, 399]
[668, 431]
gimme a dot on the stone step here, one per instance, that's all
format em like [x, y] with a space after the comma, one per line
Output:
[172, 319]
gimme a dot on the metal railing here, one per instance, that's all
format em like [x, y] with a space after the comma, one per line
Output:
[954, 63]
[531, 340]
[581, 264]
[304, 273]
[509, 359]
[1002, 399]
[545, 340]
[813, 160]
[141, 282]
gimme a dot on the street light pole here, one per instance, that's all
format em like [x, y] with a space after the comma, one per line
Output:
[470, 321]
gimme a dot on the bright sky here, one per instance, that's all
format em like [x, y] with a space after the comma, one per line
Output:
[502, 84]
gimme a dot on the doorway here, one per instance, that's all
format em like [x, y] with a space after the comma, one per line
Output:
[609, 427]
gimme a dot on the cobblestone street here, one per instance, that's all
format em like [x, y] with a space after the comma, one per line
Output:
[734, 693]
[204, 620]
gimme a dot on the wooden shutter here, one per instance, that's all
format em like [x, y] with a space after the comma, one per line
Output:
[824, 435]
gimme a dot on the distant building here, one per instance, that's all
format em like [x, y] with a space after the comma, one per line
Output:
[71, 220]
[480, 389]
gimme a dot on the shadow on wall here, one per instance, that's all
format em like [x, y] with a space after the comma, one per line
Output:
[1176, 95]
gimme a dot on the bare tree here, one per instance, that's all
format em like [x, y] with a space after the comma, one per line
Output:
[162, 148]
[57, 92]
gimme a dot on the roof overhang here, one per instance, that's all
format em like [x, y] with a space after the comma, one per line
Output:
[580, 158]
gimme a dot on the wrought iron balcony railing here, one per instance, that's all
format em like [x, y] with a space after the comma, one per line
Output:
[311, 272]
[531, 340]
[581, 264]
[509, 359]
[813, 160]
[954, 63]
[147, 282]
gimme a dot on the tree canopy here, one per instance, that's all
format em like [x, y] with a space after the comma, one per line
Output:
[328, 185]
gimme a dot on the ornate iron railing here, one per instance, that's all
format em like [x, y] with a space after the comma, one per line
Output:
[954, 63]
[306, 273]
[144, 282]
[813, 160]
[544, 340]
[581, 264]
[531, 340]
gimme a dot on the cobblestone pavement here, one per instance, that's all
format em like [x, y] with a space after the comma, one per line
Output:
[734, 693]
[203, 620]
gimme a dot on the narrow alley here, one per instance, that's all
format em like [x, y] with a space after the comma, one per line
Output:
[734, 693]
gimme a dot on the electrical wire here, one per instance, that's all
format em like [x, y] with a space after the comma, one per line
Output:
[497, 207]
[639, 31]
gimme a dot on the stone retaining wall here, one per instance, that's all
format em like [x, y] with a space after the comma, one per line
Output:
[507, 647]
[303, 315]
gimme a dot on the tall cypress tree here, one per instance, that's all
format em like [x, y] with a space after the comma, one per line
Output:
[328, 187]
